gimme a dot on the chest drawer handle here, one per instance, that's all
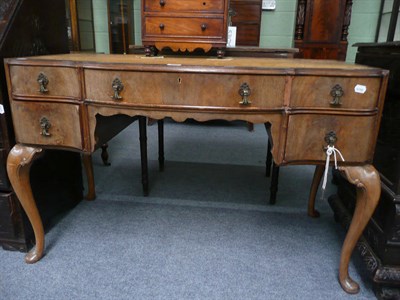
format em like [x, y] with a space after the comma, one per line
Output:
[45, 126]
[336, 92]
[203, 27]
[162, 2]
[245, 92]
[162, 26]
[117, 86]
[43, 82]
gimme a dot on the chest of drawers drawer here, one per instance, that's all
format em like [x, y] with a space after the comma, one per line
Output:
[335, 92]
[215, 6]
[52, 124]
[45, 82]
[307, 132]
[185, 89]
[184, 26]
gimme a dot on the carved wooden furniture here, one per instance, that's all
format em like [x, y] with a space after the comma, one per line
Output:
[380, 245]
[309, 105]
[322, 28]
[246, 16]
[184, 25]
[28, 29]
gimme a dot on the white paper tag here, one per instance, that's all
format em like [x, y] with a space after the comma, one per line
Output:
[1, 109]
[231, 43]
[360, 89]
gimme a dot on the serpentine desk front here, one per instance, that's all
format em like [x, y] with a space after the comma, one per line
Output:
[58, 102]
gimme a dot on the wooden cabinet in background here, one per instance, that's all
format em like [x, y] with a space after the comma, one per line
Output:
[184, 25]
[246, 16]
[322, 28]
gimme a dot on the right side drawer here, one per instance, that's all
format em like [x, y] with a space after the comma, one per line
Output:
[318, 92]
[306, 134]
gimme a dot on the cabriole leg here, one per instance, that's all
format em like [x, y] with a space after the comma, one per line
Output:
[367, 181]
[19, 162]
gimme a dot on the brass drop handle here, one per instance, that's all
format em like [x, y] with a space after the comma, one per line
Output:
[117, 86]
[336, 92]
[162, 26]
[43, 82]
[245, 92]
[45, 126]
[203, 26]
[162, 2]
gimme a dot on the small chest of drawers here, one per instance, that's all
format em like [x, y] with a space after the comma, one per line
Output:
[184, 25]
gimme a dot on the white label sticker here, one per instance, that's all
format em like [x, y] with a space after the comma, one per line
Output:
[1, 109]
[359, 88]
[231, 43]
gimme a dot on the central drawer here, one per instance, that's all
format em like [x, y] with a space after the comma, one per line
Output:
[185, 89]
[184, 26]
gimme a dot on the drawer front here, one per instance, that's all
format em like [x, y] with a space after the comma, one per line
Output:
[315, 92]
[63, 121]
[184, 27]
[306, 137]
[209, 90]
[184, 6]
[62, 82]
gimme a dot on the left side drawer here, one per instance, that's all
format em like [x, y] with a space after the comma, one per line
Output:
[45, 82]
[50, 124]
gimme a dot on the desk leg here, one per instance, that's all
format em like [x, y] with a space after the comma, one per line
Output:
[368, 184]
[19, 162]
[88, 165]
[143, 154]
[319, 171]
[161, 158]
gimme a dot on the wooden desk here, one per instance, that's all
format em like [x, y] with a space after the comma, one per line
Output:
[59, 101]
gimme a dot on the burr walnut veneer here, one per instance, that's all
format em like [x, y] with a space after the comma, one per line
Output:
[60, 102]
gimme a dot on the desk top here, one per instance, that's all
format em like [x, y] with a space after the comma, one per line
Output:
[175, 61]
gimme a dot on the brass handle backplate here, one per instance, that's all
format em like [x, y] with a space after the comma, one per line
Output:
[336, 92]
[117, 86]
[45, 126]
[43, 82]
[330, 138]
[245, 92]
